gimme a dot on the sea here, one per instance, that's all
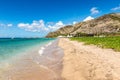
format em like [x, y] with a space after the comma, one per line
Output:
[30, 59]
[11, 47]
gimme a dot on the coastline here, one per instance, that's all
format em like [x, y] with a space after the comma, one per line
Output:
[88, 62]
[63, 59]
[42, 63]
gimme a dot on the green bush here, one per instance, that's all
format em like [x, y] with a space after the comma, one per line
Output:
[104, 42]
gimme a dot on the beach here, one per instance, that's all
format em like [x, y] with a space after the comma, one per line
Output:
[62, 59]
[39, 63]
[89, 62]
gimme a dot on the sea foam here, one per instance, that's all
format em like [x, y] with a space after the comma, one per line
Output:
[49, 44]
[43, 48]
[41, 51]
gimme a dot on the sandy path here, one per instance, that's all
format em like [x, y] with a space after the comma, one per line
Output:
[87, 62]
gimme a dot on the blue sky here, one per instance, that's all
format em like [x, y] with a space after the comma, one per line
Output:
[35, 18]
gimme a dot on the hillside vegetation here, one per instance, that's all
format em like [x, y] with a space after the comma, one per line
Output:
[104, 42]
[104, 25]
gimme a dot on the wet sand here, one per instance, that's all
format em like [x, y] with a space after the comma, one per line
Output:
[88, 62]
[79, 62]
[36, 66]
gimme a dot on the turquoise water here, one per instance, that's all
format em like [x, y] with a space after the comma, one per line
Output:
[12, 47]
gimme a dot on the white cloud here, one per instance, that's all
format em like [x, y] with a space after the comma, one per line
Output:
[56, 26]
[88, 18]
[5, 25]
[35, 26]
[94, 10]
[9, 25]
[116, 8]
[2, 25]
[74, 22]
[40, 26]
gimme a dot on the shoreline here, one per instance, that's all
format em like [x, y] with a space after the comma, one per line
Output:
[63, 59]
[44, 63]
[88, 62]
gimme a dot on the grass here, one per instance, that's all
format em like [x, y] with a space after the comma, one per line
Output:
[104, 42]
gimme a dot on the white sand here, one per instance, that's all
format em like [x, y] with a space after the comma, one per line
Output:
[88, 62]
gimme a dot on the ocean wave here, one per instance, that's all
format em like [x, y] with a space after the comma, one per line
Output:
[49, 44]
[43, 48]
[41, 51]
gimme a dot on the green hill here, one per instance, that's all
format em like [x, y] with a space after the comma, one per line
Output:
[105, 25]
